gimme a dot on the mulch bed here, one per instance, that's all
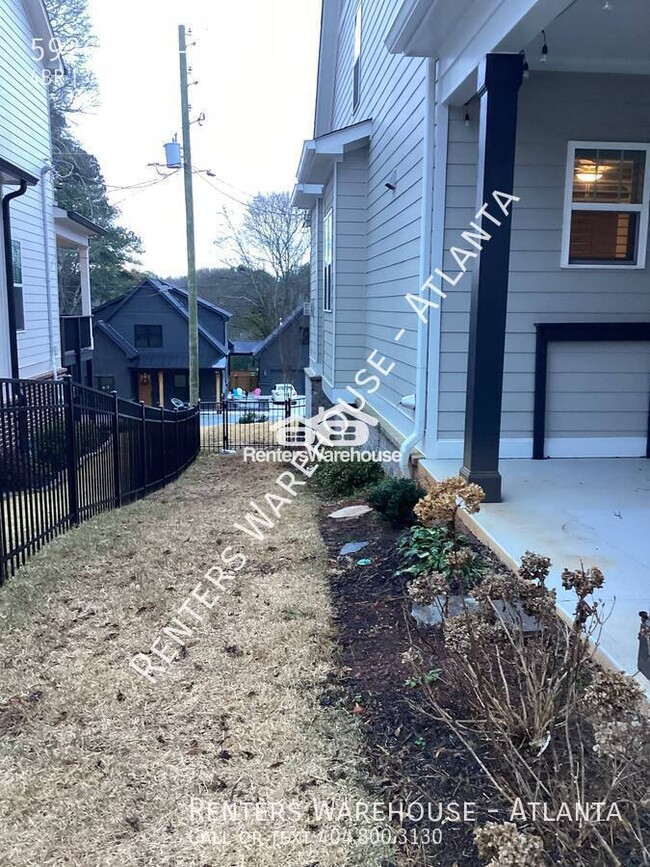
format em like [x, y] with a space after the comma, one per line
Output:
[413, 758]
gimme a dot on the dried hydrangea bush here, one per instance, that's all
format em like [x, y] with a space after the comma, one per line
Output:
[542, 719]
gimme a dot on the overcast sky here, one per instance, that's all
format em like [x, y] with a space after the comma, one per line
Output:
[255, 61]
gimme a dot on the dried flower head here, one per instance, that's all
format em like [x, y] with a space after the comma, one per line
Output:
[583, 581]
[507, 846]
[612, 694]
[534, 567]
[412, 656]
[616, 740]
[461, 558]
[467, 628]
[535, 599]
[442, 501]
[426, 588]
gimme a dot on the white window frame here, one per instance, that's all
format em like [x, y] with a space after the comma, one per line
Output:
[641, 209]
[328, 260]
[18, 260]
[356, 58]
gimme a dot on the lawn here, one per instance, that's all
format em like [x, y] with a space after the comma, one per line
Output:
[99, 766]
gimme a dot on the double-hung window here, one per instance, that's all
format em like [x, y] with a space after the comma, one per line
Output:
[328, 257]
[356, 60]
[17, 265]
[606, 205]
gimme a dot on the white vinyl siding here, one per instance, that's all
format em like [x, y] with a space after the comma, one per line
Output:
[25, 142]
[554, 109]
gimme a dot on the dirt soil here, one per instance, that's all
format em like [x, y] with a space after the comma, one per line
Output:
[414, 758]
[99, 767]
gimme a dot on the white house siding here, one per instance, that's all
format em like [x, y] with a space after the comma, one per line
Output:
[25, 142]
[392, 94]
[554, 108]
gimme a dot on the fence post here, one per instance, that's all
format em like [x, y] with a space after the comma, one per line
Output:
[144, 447]
[71, 451]
[162, 445]
[176, 460]
[224, 423]
[117, 459]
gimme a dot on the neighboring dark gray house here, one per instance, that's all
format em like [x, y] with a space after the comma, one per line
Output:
[141, 345]
[281, 357]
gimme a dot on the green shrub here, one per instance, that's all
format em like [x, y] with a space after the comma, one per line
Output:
[394, 499]
[436, 549]
[252, 418]
[51, 444]
[339, 478]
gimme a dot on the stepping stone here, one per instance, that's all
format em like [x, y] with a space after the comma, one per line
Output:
[431, 615]
[350, 512]
[352, 548]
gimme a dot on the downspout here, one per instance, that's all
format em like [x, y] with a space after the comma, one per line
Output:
[9, 268]
[422, 353]
[54, 361]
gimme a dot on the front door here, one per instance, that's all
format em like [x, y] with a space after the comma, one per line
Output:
[145, 388]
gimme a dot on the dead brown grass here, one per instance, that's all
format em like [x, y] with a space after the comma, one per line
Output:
[97, 766]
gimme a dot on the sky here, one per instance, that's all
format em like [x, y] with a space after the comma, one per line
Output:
[255, 63]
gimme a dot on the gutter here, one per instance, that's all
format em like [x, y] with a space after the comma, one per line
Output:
[9, 268]
[54, 362]
[426, 222]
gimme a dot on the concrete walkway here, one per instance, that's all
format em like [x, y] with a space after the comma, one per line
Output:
[594, 511]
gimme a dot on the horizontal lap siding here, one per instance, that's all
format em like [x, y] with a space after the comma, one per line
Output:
[597, 390]
[554, 108]
[393, 95]
[25, 141]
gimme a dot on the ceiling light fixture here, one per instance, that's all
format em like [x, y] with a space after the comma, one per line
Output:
[608, 6]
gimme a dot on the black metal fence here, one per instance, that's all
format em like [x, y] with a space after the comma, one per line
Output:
[235, 424]
[68, 452]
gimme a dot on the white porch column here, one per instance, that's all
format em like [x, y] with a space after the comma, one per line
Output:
[84, 271]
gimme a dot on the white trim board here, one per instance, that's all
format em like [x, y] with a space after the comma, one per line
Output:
[554, 447]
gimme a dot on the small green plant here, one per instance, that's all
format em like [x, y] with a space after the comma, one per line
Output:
[437, 549]
[420, 742]
[428, 678]
[339, 478]
[252, 418]
[394, 499]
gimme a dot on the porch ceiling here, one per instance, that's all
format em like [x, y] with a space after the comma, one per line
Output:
[587, 38]
[581, 36]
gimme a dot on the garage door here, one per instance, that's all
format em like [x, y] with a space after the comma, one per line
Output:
[598, 399]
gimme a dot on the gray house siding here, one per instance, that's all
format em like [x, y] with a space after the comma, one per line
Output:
[285, 359]
[377, 231]
[109, 360]
[554, 108]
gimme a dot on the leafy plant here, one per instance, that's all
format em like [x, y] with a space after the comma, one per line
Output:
[437, 549]
[395, 499]
[337, 478]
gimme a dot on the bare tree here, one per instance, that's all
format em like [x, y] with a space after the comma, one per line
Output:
[270, 246]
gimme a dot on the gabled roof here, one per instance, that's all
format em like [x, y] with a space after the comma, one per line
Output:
[176, 298]
[286, 322]
[182, 293]
[244, 347]
[127, 348]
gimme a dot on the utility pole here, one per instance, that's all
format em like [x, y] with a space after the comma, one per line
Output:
[189, 210]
